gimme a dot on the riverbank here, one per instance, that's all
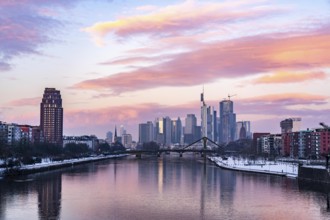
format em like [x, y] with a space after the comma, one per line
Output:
[51, 165]
[265, 167]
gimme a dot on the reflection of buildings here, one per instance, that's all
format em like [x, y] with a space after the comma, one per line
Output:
[227, 189]
[49, 196]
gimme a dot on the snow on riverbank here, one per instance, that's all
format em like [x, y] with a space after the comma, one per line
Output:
[46, 163]
[267, 167]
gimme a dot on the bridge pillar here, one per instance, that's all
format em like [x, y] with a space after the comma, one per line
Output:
[204, 142]
[205, 147]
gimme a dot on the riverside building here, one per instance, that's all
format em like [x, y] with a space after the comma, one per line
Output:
[51, 116]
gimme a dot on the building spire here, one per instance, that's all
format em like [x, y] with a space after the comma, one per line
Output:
[115, 132]
[202, 97]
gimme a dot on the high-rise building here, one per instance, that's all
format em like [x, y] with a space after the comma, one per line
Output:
[167, 131]
[146, 132]
[122, 130]
[204, 116]
[227, 121]
[243, 130]
[287, 126]
[109, 137]
[190, 129]
[51, 116]
[290, 125]
[127, 140]
[215, 126]
[163, 131]
[176, 131]
[208, 120]
[159, 131]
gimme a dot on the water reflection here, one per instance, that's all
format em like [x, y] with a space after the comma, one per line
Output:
[169, 187]
[308, 188]
[49, 195]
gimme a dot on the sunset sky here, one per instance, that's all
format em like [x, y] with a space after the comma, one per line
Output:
[124, 62]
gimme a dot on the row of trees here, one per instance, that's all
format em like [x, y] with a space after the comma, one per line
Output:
[32, 153]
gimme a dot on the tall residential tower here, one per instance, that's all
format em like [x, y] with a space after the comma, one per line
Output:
[51, 116]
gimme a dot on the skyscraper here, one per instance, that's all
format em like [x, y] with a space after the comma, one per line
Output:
[176, 131]
[207, 120]
[243, 130]
[227, 121]
[163, 131]
[190, 129]
[204, 114]
[146, 132]
[109, 137]
[167, 131]
[290, 125]
[51, 116]
[159, 131]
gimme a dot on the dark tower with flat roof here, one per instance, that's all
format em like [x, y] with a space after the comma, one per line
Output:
[51, 116]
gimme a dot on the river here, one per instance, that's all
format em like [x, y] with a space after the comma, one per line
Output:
[169, 187]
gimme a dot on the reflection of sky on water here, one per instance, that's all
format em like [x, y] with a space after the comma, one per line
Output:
[169, 187]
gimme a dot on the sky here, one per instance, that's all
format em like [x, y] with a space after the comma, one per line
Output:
[125, 62]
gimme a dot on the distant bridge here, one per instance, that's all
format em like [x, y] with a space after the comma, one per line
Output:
[203, 151]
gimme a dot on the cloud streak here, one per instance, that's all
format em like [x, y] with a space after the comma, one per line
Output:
[26, 25]
[25, 102]
[185, 17]
[290, 77]
[227, 59]
[23, 29]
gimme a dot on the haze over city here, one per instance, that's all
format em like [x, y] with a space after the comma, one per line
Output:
[127, 62]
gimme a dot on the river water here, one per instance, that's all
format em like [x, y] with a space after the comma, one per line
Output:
[158, 188]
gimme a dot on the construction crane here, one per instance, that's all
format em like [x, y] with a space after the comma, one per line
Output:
[229, 96]
[324, 125]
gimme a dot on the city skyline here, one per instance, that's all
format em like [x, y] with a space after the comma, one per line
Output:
[125, 63]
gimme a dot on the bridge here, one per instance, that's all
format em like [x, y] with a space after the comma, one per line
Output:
[203, 151]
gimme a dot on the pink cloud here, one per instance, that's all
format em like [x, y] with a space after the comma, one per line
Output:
[133, 60]
[281, 105]
[26, 25]
[288, 99]
[28, 117]
[22, 30]
[186, 16]
[228, 59]
[25, 102]
[291, 77]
